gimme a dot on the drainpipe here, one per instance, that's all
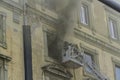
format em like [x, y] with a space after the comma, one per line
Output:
[27, 45]
[115, 4]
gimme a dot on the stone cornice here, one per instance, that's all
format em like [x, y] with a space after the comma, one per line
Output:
[11, 4]
[43, 17]
[95, 41]
[111, 11]
[58, 70]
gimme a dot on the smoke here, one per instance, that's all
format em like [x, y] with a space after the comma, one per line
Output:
[65, 10]
[65, 6]
[65, 27]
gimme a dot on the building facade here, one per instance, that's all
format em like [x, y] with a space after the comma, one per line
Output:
[59, 40]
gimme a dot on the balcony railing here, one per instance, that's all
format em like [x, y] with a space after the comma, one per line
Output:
[72, 57]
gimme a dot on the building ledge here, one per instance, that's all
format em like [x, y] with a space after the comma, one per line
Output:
[94, 40]
[12, 4]
[5, 57]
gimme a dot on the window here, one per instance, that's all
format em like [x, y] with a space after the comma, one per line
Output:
[84, 14]
[89, 60]
[113, 28]
[16, 17]
[51, 51]
[91, 68]
[3, 69]
[2, 29]
[116, 68]
[117, 72]
[52, 46]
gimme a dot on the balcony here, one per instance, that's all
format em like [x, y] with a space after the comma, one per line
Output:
[72, 57]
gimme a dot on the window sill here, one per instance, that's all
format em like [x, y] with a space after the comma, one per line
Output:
[12, 3]
[49, 59]
[115, 40]
[5, 57]
[85, 25]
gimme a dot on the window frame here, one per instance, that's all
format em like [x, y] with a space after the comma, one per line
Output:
[95, 55]
[92, 59]
[3, 42]
[16, 17]
[84, 14]
[116, 66]
[46, 31]
[90, 14]
[110, 13]
[115, 22]
[115, 62]
[4, 67]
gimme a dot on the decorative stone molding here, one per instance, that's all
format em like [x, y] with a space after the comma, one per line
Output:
[95, 41]
[7, 58]
[3, 30]
[115, 61]
[16, 17]
[42, 16]
[57, 70]
[11, 4]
